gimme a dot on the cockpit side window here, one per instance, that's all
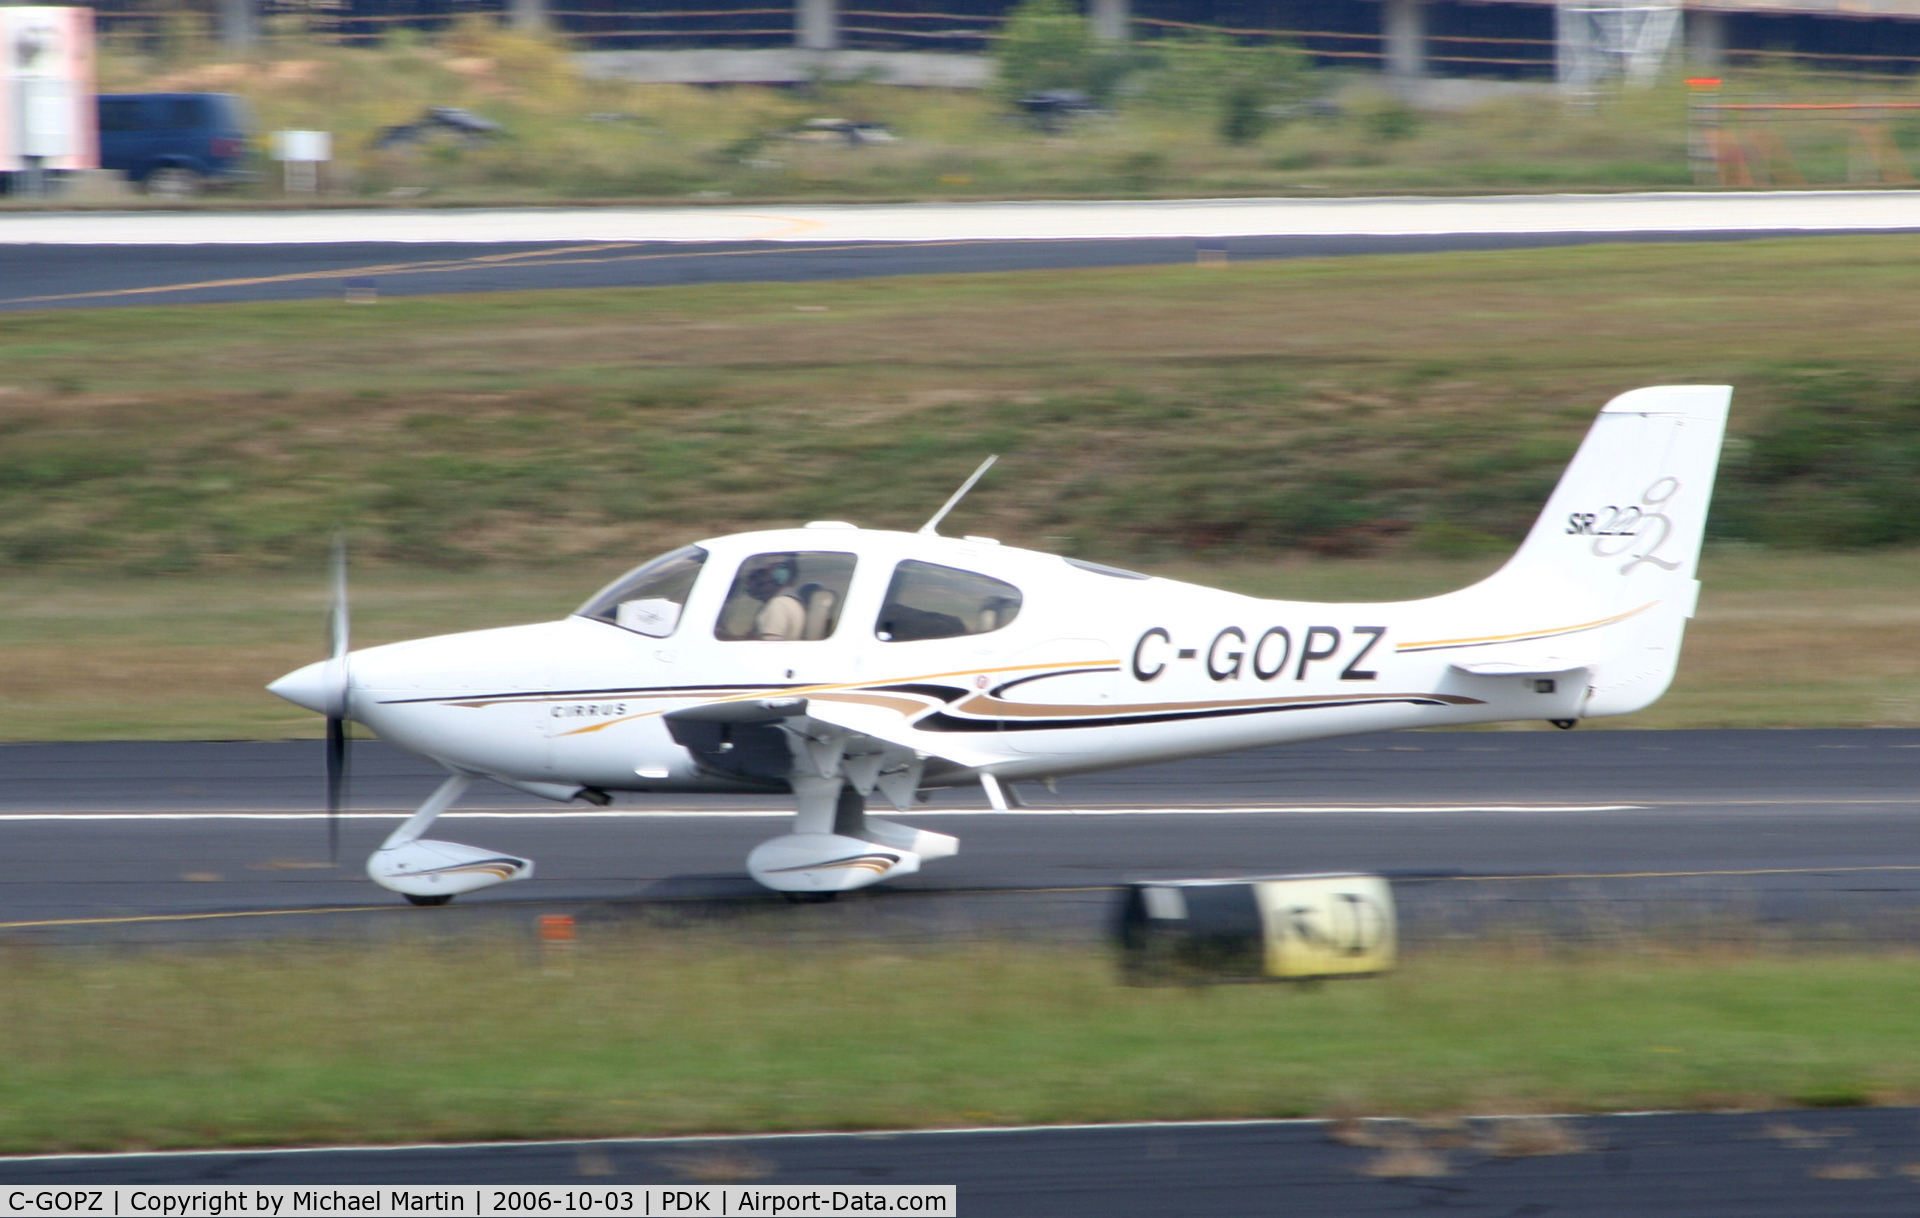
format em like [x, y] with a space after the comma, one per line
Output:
[786, 596]
[649, 599]
[928, 601]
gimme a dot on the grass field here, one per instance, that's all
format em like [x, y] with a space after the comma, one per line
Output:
[1419, 404]
[641, 1033]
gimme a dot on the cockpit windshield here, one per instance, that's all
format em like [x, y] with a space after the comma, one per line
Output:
[648, 600]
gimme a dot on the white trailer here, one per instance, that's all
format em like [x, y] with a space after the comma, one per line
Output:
[47, 121]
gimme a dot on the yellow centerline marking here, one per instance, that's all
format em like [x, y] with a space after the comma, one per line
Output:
[1674, 875]
[137, 919]
[1544, 875]
[543, 257]
[429, 266]
[129, 919]
[789, 226]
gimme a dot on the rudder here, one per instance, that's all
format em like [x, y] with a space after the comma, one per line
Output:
[1616, 551]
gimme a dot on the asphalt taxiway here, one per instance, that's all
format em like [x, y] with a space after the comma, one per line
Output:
[1696, 1165]
[52, 260]
[1805, 832]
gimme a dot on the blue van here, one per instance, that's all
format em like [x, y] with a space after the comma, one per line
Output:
[175, 144]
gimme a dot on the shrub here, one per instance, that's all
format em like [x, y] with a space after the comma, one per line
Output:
[1836, 466]
[1243, 89]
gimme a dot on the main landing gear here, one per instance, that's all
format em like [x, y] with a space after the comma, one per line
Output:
[428, 872]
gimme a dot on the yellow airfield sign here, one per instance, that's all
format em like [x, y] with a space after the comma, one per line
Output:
[1260, 928]
[1327, 926]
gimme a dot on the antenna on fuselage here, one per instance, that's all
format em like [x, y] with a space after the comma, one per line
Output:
[960, 494]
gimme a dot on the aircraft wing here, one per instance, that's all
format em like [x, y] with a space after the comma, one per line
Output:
[887, 726]
[772, 739]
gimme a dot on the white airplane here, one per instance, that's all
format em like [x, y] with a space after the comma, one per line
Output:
[833, 662]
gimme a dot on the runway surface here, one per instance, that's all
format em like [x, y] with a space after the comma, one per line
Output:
[69, 260]
[1811, 832]
[1747, 1165]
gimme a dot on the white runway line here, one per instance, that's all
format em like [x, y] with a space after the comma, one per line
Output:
[1676, 211]
[729, 814]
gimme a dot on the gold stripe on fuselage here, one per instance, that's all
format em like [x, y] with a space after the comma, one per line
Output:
[1523, 636]
[861, 687]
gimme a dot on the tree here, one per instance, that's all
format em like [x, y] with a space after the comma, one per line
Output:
[1047, 45]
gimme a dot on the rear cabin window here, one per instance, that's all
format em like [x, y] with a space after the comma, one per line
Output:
[929, 601]
[649, 599]
[786, 596]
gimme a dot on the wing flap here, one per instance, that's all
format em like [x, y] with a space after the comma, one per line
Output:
[739, 711]
[746, 737]
[887, 727]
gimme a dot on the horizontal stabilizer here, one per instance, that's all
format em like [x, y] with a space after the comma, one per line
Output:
[1522, 666]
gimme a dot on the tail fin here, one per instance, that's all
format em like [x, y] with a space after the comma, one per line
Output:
[1608, 571]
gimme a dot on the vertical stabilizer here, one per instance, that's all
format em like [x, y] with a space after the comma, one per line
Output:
[1607, 578]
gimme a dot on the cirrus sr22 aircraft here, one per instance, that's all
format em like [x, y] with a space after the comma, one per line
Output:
[835, 664]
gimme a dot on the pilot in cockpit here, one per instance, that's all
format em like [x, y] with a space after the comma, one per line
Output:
[781, 615]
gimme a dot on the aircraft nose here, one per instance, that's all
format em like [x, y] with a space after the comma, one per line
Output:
[316, 687]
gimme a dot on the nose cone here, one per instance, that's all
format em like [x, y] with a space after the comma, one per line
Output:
[319, 687]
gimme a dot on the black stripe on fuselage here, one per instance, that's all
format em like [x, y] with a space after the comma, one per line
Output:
[952, 723]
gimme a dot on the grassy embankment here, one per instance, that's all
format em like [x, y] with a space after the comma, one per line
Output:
[170, 477]
[571, 137]
[659, 1034]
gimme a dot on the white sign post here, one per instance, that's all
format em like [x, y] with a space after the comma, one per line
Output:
[301, 153]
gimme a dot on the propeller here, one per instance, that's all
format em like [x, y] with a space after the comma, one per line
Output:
[326, 688]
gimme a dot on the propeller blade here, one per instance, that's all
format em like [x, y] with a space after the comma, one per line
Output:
[337, 613]
[336, 782]
[337, 639]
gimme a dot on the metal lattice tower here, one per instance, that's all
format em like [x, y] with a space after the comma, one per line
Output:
[1605, 40]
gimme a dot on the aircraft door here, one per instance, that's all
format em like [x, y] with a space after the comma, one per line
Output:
[781, 620]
